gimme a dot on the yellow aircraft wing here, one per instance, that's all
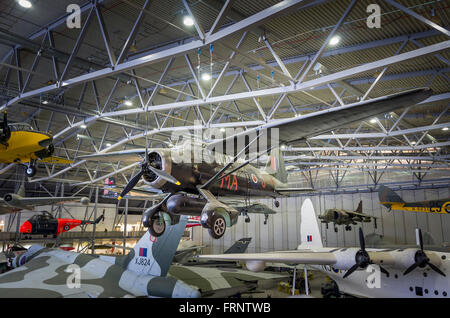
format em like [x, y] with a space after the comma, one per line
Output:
[57, 160]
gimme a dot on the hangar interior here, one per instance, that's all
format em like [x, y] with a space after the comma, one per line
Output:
[107, 76]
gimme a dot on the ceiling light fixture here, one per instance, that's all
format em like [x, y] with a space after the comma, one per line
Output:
[335, 40]
[373, 120]
[445, 128]
[128, 103]
[83, 126]
[25, 4]
[206, 76]
[188, 21]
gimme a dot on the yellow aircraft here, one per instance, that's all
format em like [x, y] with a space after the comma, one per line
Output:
[19, 143]
[393, 201]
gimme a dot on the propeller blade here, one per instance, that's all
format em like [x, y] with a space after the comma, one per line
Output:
[411, 268]
[362, 242]
[131, 185]
[351, 270]
[419, 239]
[384, 271]
[436, 269]
[164, 175]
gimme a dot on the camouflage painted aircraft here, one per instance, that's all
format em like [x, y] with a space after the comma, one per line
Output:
[144, 271]
[19, 143]
[346, 217]
[44, 273]
[14, 202]
[193, 188]
[393, 201]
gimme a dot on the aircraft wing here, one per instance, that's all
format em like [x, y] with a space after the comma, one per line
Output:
[57, 160]
[320, 122]
[361, 214]
[287, 191]
[51, 200]
[313, 258]
[4, 208]
[45, 277]
[131, 155]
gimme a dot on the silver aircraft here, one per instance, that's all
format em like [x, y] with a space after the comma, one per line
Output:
[387, 273]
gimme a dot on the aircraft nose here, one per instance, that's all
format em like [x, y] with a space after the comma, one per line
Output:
[26, 227]
[181, 290]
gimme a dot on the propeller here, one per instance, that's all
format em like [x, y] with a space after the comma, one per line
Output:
[420, 258]
[362, 258]
[146, 167]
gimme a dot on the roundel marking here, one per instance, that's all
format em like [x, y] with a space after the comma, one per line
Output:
[22, 260]
[254, 178]
[153, 239]
[66, 228]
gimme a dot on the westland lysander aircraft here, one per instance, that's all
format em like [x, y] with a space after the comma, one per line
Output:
[393, 201]
[14, 202]
[20, 144]
[346, 217]
[403, 272]
[193, 188]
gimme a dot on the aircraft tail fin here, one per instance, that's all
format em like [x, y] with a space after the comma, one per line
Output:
[309, 228]
[275, 165]
[359, 208]
[240, 246]
[153, 256]
[387, 196]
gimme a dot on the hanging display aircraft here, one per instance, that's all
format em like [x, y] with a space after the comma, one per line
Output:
[393, 201]
[14, 202]
[346, 217]
[46, 224]
[386, 273]
[194, 188]
[20, 144]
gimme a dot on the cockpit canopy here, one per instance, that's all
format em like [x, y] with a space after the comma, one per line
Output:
[20, 127]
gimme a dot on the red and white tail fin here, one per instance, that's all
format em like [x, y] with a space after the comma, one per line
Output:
[275, 165]
[309, 228]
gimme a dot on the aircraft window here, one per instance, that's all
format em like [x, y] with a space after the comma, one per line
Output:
[443, 257]
[419, 291]
[20, 126]
[436, 292]
[444, 294]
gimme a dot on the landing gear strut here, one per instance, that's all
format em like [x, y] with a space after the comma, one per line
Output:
[31, 169]
[266, 216]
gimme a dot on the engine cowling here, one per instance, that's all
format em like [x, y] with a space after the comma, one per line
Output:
[161, 160]
[345, 259]
[255, 266]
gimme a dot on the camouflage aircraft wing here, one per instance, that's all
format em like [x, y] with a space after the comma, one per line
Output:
[316, 123]
[361, 214]
[287, 191]
[132, 155]
[44, 279]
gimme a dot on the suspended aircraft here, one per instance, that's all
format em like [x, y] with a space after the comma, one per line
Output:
[393, 201]
[46, 224]
[365, 272]
[20, 144]
[14, 202]
[194, 188]
[346, 217]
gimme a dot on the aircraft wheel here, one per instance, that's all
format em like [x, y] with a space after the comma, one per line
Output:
[247, 220]
[31, 171]
[335, 229]
[277, 203]
[218, 227]
[157, 227]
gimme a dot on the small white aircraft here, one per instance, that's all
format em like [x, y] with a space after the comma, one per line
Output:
[387, 273]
